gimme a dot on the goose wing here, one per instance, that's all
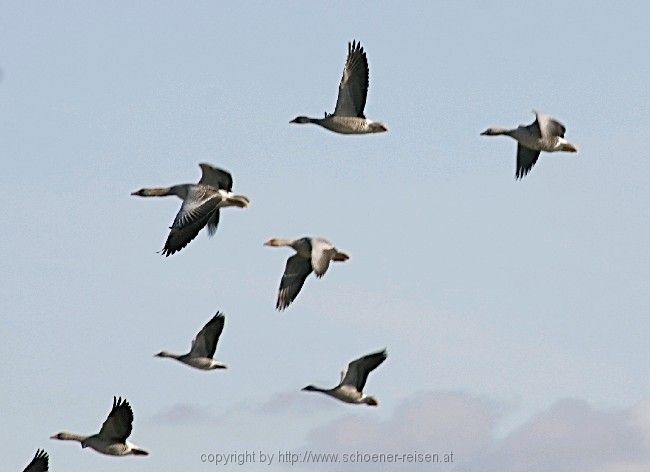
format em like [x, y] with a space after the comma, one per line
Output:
[358, 370]
[320, 255]
[40, 462]
[205, 342]
[548, 127]
[215, 177]
[201, 201]
[197, 210]
[353, 88]
[213, 222]
[119, 423]
[526, 159]
[295, 274]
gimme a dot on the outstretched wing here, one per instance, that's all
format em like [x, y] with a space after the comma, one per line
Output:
[205, 342]
[549, 127]
[359, 369]
[353, 88]
[526, 159]
[215, 177]
[321, 250]
[295, 274]
[40, 462]
[119, 423]
[197, 210]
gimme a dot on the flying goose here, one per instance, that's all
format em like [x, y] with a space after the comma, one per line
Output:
[312, 254]
[544, 134]
[40, 462]
[111, 439]
[348, 117]
[350, 390]
[201, 203]
[203, 346]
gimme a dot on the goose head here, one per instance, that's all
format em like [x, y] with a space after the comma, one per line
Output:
[139, 193]
[277, 242]
[300, 120]
[310, 388]
[65, 436]
[166, 354]
[494, 132]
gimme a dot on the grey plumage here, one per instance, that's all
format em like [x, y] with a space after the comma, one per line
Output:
[203, 346]
[348, 116]
[353, 381]
[312, 254]
[201, 205]
[543, 134]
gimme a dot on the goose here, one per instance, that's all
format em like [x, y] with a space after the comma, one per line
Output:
[111, 439]
[348, 117]
[312, 254]
[201, 204]
[350, 389]
[203, 346]
[40, 462]
[543, 134]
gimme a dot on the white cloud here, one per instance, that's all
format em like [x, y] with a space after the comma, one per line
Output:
[570, 436]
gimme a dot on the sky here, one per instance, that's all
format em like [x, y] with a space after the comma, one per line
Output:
[514, 312]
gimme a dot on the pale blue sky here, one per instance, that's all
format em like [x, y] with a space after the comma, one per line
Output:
[497, 297]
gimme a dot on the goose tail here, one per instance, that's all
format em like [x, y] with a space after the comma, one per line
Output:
[239, 201]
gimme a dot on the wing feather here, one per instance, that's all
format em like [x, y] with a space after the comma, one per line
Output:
[549, 127]
[40, 462]
[321, 255]
[353, 88]
[358, 370]
[295, 274]
[215, 177]
[526, 159]
[119, 424]
[195, 213]
[205, 342]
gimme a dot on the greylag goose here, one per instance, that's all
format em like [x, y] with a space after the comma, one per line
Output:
[40, 462]
[201, 204]
[543, 134]
[312, 254]
[203, 346]
[111, 439]
[348, 117]
[350, 390]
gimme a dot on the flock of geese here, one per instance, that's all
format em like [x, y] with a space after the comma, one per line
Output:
[201, 204]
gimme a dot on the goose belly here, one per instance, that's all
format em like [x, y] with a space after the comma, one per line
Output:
[203, 363]
[347, 394]
[346, 125]
[109, 449]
